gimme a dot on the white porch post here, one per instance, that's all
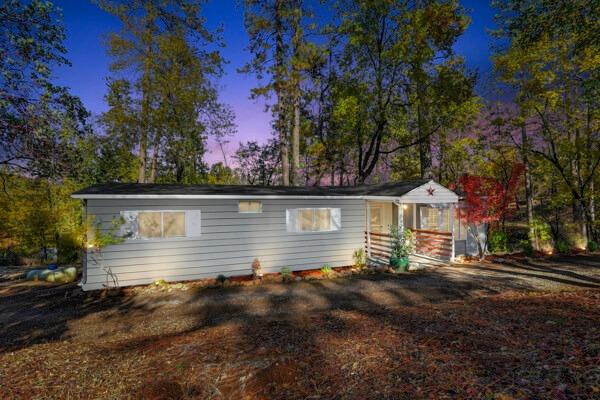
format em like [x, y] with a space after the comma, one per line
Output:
[368, 235]
[452, 212]
[400, 216]
[414, 207]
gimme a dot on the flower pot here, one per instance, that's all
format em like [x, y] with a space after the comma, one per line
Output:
[403, 264]
[399, 264]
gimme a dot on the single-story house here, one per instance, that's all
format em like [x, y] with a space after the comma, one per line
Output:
[186, 232]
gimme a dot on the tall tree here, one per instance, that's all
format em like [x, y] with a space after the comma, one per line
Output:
[173, 59]
[397, 57]
[550, 60]
[277, 31]
[40, 122]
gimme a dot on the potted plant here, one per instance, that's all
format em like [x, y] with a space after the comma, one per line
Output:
[401, 248]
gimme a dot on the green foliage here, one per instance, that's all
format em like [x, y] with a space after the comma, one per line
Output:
[359, 257]
[99, 238]
[40, 123]
[38, 214]
[498, 242]
[68, 248]
[592, 246]
[326, 270]
[8, 256]
[286, 274]
[168, 105]
[402, 243]
[221, 279]
[562, 247]
[527, 248]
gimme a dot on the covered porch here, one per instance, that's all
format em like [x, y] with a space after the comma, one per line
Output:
[430, 213]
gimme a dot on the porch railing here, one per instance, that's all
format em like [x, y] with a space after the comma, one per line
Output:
[435, 244]
[380, 245]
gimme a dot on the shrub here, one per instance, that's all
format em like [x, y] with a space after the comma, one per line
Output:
[360, 258]
[562, 247]
[221, 279]
[498, 242]
[326, 270]
[286, 274]
[592, 246]
[402, 246]
[527, 248]
[9, 256]
[69, 249]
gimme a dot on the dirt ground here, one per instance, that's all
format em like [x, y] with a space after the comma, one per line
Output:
[513, 329]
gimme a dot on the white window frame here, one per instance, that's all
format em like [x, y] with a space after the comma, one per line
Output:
[379, 210]
[260, 210]
[187, 236]
[295, 221]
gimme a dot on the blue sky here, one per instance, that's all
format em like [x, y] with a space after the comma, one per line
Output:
[86, 25]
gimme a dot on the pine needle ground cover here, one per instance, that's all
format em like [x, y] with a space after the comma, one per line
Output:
[494, 331]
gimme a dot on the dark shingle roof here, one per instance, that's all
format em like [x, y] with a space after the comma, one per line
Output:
[386, 189]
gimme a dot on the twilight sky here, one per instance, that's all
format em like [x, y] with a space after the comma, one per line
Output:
[86, 24]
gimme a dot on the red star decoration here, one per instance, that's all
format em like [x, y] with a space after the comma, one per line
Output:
[430, 190]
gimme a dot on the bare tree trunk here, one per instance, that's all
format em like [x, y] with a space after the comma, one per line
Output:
[281, 126]
[295, 171]
[142, 158]
[423, 131]
[296, 43]
[154, 164]
[528, 188]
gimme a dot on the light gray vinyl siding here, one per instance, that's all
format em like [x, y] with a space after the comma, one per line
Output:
[228, 243]
[460, 247]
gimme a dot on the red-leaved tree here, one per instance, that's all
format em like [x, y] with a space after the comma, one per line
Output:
[486, 201]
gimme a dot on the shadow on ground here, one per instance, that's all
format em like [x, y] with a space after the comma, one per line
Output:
[454, 332]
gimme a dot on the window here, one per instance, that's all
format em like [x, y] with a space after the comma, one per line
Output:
[149, 224]
[376, 219]
[435, 219]
[153, 224]
[249, 207]
[173, 224]
[313, 219]
[460, 229]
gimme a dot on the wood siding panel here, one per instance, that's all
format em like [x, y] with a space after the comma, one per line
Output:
[229, 241]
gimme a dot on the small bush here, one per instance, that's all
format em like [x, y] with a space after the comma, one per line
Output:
[498, 242]
[221, 279]
[527, 248]
[562, 247]
[592, 246]
[360, 258]
[160, 282]
[68, 248]
[286, 274]
[9, 256]
[326, 270]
